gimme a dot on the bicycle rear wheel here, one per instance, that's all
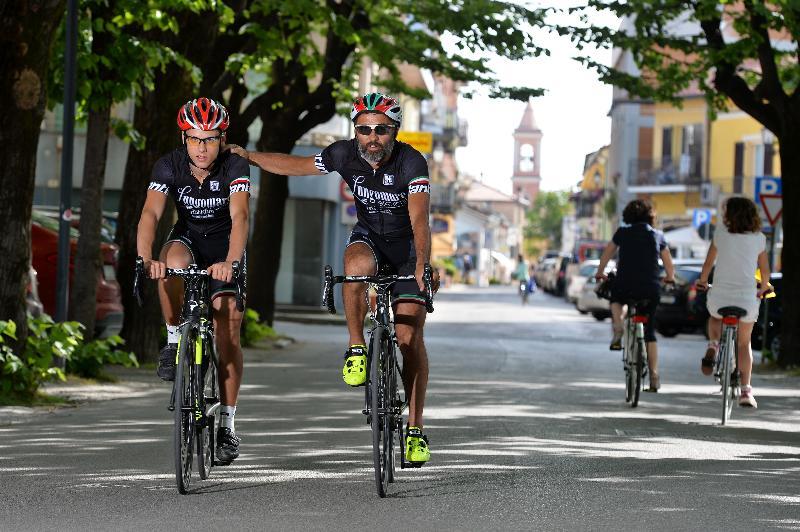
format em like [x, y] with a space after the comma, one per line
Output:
[637, 371]
[378, 409]
[207, 430]
[628, 356]
[185, 394]
[725, 378]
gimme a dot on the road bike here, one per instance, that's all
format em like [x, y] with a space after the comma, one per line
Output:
[195, 391]
[634, 349]
[383, 403]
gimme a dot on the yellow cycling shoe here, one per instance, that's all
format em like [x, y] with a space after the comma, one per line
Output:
[417, 450]
[354, 371]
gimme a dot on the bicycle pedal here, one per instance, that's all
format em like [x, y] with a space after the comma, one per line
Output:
[416, 465]
[171, 408]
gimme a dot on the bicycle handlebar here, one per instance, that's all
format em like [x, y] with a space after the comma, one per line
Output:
[186, 273]
[332, 280]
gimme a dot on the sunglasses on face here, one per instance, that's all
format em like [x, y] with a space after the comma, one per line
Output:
[197, 141]
[380, 129]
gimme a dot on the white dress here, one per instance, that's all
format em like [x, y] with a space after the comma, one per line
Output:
[734, 276]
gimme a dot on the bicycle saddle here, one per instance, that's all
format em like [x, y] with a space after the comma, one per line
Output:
[732, 311]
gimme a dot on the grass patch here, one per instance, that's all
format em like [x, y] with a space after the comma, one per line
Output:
[37, 399]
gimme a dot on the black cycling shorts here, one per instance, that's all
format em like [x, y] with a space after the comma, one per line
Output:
[622, 296]
[398, 257]
[206, 251]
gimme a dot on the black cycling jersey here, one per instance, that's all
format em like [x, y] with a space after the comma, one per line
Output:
[381, 195]
[204, 208]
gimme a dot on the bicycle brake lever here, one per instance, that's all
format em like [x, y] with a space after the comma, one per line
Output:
[427, 277]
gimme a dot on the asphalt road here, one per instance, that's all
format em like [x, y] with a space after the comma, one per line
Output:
[528, 430]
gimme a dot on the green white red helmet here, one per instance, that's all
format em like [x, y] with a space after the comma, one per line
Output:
[375, 102]
[203, 113]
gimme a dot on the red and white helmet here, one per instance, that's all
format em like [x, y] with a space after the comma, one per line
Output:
[203, 113]
[377, 103]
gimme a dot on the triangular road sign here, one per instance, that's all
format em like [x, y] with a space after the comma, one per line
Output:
[773, 207]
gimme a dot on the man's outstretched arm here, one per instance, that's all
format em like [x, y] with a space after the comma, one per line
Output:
[278, 163]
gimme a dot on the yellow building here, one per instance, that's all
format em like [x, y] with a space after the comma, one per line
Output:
[698, 160]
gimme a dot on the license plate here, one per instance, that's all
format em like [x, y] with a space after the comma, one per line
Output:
[668, 300]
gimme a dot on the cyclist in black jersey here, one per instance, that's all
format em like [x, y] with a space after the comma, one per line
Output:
[211, 190]
[389, 180]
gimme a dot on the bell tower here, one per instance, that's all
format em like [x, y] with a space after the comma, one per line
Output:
[527, 156]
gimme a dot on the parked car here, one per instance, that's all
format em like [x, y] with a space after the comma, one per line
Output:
[559, 275]
[542, 269]
[588, 301]
[108, 225]
[44, 243]
[679, 309]
[585, 270]
[775, 314]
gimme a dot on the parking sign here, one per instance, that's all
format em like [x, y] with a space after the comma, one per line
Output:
[700, 217]
[767, 185]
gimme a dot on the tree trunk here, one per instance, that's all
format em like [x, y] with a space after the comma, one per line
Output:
[790, 258]
[88, 260]
[155, 119]
[26, 37]
[264, 254]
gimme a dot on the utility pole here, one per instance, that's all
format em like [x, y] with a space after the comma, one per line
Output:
[68, 135]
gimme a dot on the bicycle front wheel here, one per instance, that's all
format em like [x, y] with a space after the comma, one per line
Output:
[378, 409]
[185, 393]
[207, 387]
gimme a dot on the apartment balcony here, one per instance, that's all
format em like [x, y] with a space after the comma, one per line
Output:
[443, 198]
[665, 175]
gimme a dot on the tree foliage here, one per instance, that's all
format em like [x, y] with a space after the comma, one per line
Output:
[544, 218]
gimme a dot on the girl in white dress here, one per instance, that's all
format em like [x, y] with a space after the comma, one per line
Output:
[739, 247]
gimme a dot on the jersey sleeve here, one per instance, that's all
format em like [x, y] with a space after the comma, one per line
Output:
[239, 174]
[161, 177]
[332, 158]
[417, 174]
[618, 237]
[662, 241]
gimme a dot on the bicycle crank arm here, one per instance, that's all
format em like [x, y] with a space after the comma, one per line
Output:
[212, 410]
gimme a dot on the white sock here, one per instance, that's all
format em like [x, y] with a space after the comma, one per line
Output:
[226, 414]
[172, 334]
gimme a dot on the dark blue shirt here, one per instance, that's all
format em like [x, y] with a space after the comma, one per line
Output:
[381, 196]
[203, 208]
[640, 247]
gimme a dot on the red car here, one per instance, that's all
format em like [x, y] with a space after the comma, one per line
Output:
[44, 244]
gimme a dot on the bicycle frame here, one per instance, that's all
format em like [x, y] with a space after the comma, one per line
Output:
[383, 405]
[196, 412]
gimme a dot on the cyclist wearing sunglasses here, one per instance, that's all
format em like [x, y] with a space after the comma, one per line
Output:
[211, 190]
[389, 180]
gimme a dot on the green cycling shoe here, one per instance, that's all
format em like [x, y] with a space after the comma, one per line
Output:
[417, 450]
[354, 371]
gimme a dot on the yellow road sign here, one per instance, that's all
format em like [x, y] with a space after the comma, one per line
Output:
[422, 141]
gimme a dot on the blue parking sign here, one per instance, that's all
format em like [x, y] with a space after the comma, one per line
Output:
[767, 185]
[700, 217]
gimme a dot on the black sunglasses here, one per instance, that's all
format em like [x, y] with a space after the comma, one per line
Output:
[380, 129]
